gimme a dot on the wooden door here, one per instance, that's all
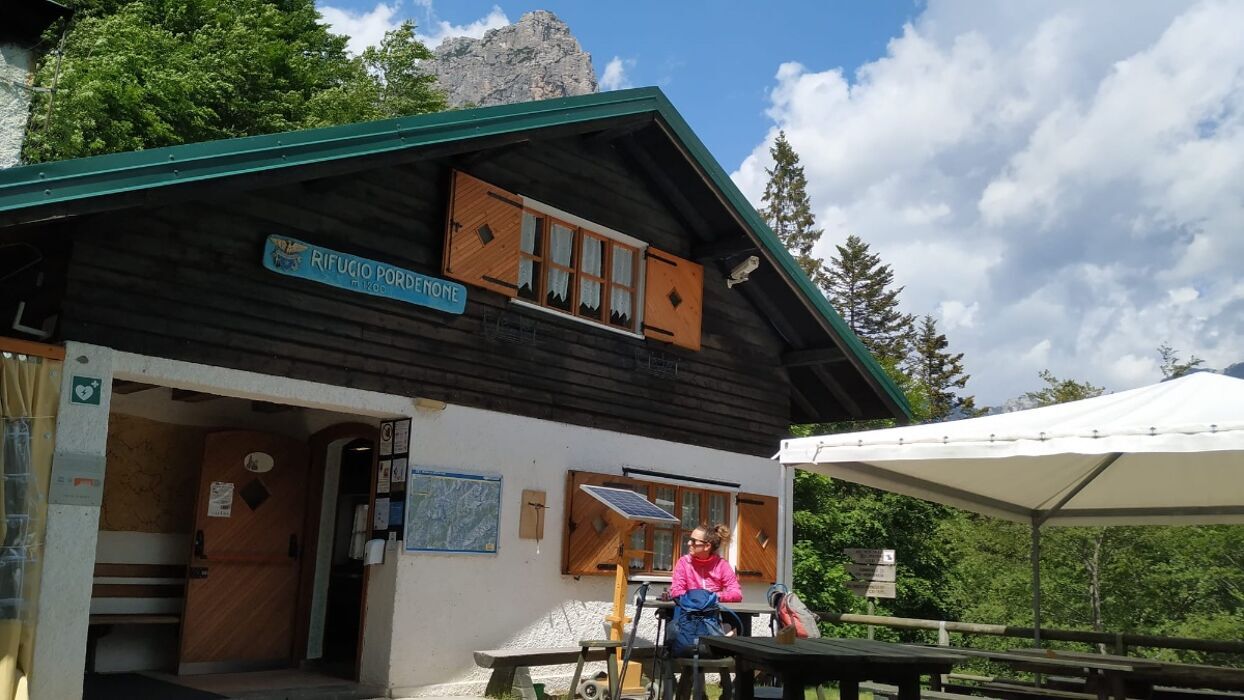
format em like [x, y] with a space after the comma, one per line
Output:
[242, 588]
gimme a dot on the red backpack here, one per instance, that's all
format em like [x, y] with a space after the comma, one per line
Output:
[789, 610]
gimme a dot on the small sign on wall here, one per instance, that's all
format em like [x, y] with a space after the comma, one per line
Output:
[77, 480]
[295, 258]
[220, 500]
[85, 390]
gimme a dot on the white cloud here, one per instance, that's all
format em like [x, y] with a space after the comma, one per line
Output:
[1058, 182]
[955, 314]
[364, 28]
[367, 28]
[615, 77]
[435, 31]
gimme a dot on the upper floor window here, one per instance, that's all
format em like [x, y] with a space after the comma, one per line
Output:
[526, 250]
[577, 270]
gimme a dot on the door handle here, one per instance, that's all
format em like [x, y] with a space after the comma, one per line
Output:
[293, 546]
[200, 548]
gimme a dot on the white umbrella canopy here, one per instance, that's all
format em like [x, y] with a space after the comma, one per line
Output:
[1167, 454]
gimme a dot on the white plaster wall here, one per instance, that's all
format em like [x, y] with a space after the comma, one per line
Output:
[448, 606]
[14, 102]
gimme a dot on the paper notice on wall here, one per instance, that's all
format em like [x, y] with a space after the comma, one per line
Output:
[401, 437]
[220, 500]
[386, 438]
[398, 475]
[382, 476]
[381, 520]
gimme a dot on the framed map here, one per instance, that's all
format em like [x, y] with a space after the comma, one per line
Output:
[452, 512]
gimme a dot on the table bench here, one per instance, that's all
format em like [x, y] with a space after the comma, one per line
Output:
[150, 590]
[506, 662]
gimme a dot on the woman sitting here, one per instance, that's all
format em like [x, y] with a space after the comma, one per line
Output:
[704, 568]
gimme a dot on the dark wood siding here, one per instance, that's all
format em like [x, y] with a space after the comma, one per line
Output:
[184, 281]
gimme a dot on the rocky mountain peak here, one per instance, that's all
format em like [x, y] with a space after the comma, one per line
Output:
[533, 59]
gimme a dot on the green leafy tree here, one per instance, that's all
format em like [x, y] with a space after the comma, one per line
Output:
[862, 289]
[149, 73]
[939, 372]
[402, 87]
[1171, 366]
[788, 210]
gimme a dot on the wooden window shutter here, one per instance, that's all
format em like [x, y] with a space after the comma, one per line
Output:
[590, 544]
[757, 536]
[673, 299]
[485, 225]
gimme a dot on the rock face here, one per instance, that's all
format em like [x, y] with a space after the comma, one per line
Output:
[15, 66]
[534, 59]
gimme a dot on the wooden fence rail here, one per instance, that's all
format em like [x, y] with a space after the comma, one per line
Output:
[1119, 641]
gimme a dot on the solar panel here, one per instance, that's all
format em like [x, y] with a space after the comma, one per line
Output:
[629, 504]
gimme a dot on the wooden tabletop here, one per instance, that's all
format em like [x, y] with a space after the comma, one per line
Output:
[826, 650]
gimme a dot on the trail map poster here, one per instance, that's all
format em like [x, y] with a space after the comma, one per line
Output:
[452, 513]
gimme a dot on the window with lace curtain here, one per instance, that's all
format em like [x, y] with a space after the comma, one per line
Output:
[577, 271]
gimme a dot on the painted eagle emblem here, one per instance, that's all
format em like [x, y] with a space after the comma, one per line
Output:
[285, 253]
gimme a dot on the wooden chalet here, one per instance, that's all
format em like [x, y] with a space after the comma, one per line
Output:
[543, 295]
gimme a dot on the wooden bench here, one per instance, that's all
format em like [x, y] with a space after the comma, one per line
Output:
[151, 591]
[882, 690]
[1018, 690]
[506, 662]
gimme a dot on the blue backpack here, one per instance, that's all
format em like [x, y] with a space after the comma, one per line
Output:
[696, 614]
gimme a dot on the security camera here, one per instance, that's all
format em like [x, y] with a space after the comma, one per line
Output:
[739, 274]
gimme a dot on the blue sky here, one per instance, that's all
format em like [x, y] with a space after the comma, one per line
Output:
[1056, 183]
[716, 61]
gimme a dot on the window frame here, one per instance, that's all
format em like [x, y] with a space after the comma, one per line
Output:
[546, 216]
[679, 532]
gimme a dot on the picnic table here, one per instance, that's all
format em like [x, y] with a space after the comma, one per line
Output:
[1120, 677]
[1142, 675]
[815, 661]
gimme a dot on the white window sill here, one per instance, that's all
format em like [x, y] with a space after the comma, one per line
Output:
[571, 317]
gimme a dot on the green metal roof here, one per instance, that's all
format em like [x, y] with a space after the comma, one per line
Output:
[65, 181]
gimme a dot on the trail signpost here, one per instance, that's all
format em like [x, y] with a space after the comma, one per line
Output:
[874, 573]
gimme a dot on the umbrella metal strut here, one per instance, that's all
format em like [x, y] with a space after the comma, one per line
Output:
[1039, 517]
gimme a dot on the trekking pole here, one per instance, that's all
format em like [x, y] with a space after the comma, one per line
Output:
[658, 657]
[630, 642]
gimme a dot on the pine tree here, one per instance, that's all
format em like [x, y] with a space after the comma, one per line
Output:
[788, 211]
[939, 371]
[860, 288]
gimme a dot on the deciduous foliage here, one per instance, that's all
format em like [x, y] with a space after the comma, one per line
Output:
[1171, 366]
[862, 289]
[788, 210]
[1060, 390]
[149, 73]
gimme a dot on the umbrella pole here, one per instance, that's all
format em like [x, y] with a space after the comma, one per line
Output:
[1036, 581]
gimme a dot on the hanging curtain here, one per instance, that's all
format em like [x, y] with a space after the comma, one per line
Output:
[620, 299]
[561, 251]
[589, 264]
[29, 396]
[527, 244]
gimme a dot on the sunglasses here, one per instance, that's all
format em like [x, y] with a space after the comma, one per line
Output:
[694, 541]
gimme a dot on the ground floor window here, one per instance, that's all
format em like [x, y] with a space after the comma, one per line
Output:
[590, 537]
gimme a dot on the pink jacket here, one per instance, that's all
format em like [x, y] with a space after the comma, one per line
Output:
[713, 574]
